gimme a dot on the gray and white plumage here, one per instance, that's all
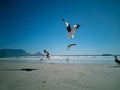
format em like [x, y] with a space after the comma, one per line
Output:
[70, 30]
[70, 45]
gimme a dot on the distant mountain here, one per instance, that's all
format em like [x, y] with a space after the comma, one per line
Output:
[107, 54]
[38, 54]
[16, 52]
[12, 52]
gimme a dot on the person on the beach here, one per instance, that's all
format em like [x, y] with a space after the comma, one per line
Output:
[47, 54]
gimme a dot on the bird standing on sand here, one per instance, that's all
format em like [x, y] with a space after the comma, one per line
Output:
[71, 30]
[70, 45]
[117, 61]
[47, 54]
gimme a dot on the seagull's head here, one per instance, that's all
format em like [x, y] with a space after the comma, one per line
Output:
[77, 25]
[70, 36]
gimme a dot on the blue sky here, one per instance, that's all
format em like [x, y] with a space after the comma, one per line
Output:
[34, 25]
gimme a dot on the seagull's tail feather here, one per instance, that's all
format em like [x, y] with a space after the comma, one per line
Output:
[70, 36]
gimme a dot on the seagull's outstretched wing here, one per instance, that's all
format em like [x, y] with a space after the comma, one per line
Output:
[63, 20]
[70, 45]
[71, 34]
[67, 25]
[69, 28]
[76, 27]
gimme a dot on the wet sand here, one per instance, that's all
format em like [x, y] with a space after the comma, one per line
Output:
[45, 76]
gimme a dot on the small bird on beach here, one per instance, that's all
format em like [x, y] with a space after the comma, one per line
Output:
[47, 54]
[117, 61]
[70, 45]
[70, 30]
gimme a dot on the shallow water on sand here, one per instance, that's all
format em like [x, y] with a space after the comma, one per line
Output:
[75, 59]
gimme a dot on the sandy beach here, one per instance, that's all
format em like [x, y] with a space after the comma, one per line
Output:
[46, 76]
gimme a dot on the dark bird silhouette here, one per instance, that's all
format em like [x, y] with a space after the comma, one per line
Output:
[116, 60]
[70, 45]
[47, 54]
[70, 30]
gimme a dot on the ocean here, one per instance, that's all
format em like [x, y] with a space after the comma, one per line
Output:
[71, 59]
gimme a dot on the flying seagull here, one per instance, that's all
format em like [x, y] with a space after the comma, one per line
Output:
[70, 30]
[117, 61]
[70, 45]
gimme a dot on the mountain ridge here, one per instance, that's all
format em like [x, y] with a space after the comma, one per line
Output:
[16, 52]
